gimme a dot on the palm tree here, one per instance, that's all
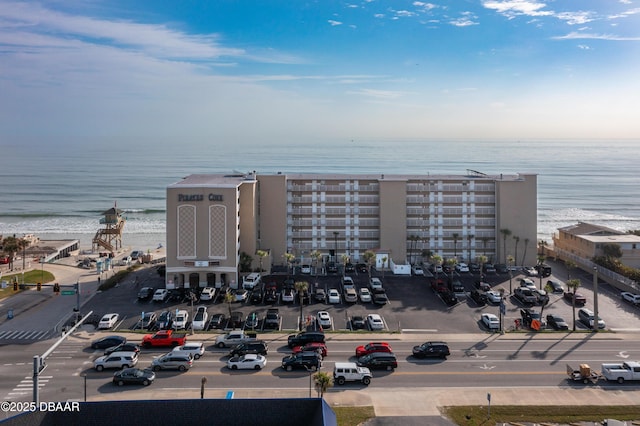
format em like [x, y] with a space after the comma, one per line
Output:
[455, 237]
[289, 257]
[484, 245]
[301, 287]
[436, 260]
[345, 260]
[517, 239]
[323, 381]
[426, 253]
[510, 260]
[261, 255]
[451, 263]
[228, 299]
[384, 262]
[368, 257]
[524, 255]
[570, 265]
[469, 238]
[505, 233]
[11, 246]
[315, 256]
[540, 262]
[573, 284]
[413, 239]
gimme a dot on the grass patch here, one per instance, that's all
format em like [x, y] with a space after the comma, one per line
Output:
[353, 416]
[119, 277]
[33, 276]
[477, 415]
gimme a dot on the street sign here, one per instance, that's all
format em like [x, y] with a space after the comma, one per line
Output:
[68, 292]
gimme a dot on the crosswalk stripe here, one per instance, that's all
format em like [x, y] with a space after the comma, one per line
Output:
[25, 334]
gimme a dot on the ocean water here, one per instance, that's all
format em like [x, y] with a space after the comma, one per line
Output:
[61, 192]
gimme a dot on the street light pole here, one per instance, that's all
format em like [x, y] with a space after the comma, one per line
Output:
[595, 298]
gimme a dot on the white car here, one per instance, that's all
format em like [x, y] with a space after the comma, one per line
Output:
[324, 319]
[462, 267]
[247, 362]
[493, 296]
[160, 295]
[305, 269]
[365, 295]
[108, 321]
[196, 349]
[334, 296]
[527, 282]
[417, 270]
[182, 317]
[288, 295]
[200, 318]
[375, 283]
[530, 271]
[240, 294]
[375, 322]
[208, 293]
[125, 261]
[116, 360]
[491, 321]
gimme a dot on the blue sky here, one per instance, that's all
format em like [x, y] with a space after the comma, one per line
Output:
[250, 72]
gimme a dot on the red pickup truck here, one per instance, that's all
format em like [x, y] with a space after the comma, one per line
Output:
[164, 338]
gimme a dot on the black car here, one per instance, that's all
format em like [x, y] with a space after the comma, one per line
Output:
[380, 296]
[528, 316]
[431, 350]
[543, 269]
[134, 376]
[145, 293]
[253, 347]
[501, 268]
[378, 361]
[348, 267]
[257, 294]
[236, 319]
[303, 338]
[361, 268]
[272, 318]
[555, 286]
[108, 342]
[332, 267]
[217, 321]
[488, 268]
[271, 295]
[557, 322]
[123, 347]
[358, 322]
[475, 268]
[165, 320]
[479, 297]
[302, 360]
[448, 297]
[252, 321]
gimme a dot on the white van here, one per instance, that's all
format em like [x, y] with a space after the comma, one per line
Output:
[250, 281]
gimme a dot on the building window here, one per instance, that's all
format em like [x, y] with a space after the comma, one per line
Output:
[186, 231]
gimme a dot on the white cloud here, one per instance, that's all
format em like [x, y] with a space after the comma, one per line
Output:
[591, 36]
[576, 18]
[334, 23]
[513, 8]
[584, 47]
[378, 94]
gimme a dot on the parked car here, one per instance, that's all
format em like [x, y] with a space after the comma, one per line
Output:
[116, 360]
[148, 321]
[527, 282]
[380, 297]
[375, 322]
[182, 317]
[357, 322]
[501, 268]
[365, 295]
[417, 270]
[305, 269]
[490, 321]
[462, 268]
[378, 361]
[207, 294]
[196, 349]
[481, 285]
[217, 321]
[580, 299]
[555, 286]
[332, 267]
[253, 320]
[200, 318]
[122, 347]
[303, 360]
[257, 294]
[488, 268]
[160, 295]
[133, 376]
[557, 322]
[431, 350]
[361, 268]
[587, 317]
[165, 320]
[373, 347]
[108, 342]
[334, 296]
[136, 255]
[348, 267]
[240, 295]
[247, 362]
[324, 319]
[172, 361]
[475, 268]
[288, 295]
[236, 319]
[375, 283]
[530, 271]
[479, 297]
[272, 318]
[529, 315]
[108, 321]
[493, 296]
[542, 296]
[320, 295]
[543, 269]
[145, 293]
[525, 296]
[448, 297]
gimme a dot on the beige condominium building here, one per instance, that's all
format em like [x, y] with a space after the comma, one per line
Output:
[213, 220]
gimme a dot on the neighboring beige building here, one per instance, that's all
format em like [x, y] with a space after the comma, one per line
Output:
[212, 219]
[585, 240]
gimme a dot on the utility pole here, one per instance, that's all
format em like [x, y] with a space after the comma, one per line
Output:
[595, 299]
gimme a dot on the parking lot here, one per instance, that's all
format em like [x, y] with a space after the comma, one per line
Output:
[413, 304]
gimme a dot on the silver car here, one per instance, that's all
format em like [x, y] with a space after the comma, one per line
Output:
[116, 360]
[173, 361]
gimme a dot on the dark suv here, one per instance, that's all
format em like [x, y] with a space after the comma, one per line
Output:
[254, 347]
[272, 318]
[431, 350]
[305, 337]
[302, 360]
[378, 361]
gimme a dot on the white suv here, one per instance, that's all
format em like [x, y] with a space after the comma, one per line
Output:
[375, 283]
[116, 360]
[350, 372]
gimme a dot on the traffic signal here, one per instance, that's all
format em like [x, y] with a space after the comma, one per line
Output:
[15, 286]
[56, 288]
[39, 286]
